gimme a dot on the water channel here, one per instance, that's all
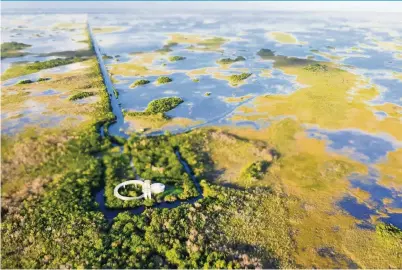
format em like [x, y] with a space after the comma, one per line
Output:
[116, 129]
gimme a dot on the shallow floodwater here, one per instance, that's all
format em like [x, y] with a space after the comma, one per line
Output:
[359, 43]
[351, 41]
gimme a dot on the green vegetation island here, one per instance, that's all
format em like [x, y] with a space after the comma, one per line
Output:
[139, 82]
[230, 60]
[158, 107]
[176, 58]
[237, 78]
[163, 80]
[13, 49]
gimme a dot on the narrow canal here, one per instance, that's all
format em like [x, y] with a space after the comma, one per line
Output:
[117, 128]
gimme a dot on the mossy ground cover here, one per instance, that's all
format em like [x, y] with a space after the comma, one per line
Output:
[326, 99]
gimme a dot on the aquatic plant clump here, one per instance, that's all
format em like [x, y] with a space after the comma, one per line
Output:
[234, 79]
[163, 80]
[266, 53]
[13, 49]
[43, 79]
[230, 60]
[158, 107]
[139, 82]
[105, 57]
[167, 47]
[81, 95]
[176, 58]
[163, 105]
[25, 82]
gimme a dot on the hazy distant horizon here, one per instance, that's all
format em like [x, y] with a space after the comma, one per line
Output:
[88, 6]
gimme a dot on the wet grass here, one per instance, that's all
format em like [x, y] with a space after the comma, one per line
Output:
[25, 69]
[327, 99]
[391, 173]
[316, 180]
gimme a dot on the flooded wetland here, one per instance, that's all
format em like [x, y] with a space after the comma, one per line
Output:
[277, 137]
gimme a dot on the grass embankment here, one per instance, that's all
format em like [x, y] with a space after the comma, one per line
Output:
[25, 69]
[13, 49]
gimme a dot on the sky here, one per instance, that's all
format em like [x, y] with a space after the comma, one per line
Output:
[370, 6]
